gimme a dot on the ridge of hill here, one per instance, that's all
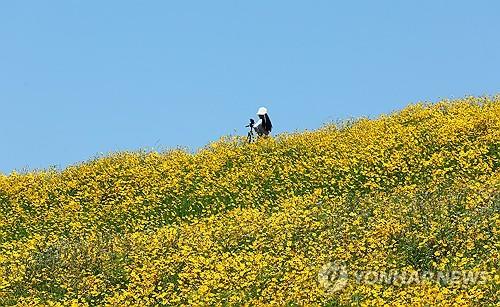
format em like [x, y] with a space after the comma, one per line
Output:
[269, 223]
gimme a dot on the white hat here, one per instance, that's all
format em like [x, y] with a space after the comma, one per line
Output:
[262, 111]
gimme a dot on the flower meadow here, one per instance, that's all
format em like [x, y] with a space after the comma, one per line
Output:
[414, 192]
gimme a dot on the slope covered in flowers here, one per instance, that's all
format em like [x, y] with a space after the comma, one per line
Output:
[254, 224]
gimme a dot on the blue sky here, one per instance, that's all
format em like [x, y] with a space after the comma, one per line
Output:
[79, 78]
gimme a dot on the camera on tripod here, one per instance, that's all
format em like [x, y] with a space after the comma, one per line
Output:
[250, 132]
[252, 122]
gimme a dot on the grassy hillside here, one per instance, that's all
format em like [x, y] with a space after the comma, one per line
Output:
[257, 224]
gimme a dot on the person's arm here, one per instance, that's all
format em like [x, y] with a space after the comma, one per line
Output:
[258, 127]
[259, 122]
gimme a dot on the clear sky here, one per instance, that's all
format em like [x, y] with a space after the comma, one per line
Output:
[79, 78]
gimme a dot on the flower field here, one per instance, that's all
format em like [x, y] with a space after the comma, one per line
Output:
[416, 191]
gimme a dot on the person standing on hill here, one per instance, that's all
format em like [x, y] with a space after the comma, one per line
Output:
[263, 126]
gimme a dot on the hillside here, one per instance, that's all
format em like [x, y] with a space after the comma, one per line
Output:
[415, 192]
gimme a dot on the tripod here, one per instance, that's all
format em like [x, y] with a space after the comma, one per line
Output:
[250, 136]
